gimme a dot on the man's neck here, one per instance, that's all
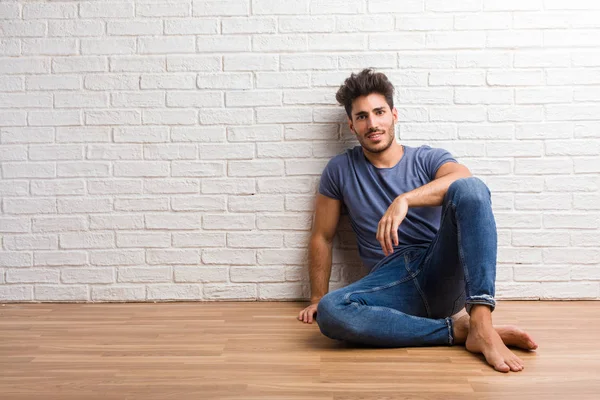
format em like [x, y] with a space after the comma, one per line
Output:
[388, 158]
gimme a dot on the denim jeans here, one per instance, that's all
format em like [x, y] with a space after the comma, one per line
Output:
[408, 297]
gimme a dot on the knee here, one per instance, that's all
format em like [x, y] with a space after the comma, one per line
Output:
[328, 316]
[469, 190]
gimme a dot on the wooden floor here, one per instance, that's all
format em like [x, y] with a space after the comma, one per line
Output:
[260, 351]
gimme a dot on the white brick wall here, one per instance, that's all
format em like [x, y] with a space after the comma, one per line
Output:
[171, 150]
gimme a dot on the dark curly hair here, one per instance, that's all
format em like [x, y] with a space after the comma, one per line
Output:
[364, 83]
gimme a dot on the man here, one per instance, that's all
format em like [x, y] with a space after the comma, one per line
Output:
[424, 228]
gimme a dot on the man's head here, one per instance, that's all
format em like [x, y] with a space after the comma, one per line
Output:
[368, 98]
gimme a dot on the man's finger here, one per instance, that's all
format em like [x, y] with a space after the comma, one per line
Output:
[395, 232]
[388, 239]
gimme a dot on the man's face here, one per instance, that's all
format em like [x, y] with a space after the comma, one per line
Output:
[373, 122]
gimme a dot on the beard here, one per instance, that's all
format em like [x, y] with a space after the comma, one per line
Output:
[387, 138]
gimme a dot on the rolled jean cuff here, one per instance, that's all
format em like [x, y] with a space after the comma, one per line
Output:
[484, 299]
[450, 324]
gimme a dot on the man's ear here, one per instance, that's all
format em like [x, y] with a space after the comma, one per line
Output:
[395, 114]
[351, 125]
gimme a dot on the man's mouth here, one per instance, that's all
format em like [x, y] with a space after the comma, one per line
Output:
[375, 135]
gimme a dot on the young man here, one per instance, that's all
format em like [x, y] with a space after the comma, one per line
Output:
[426, 231]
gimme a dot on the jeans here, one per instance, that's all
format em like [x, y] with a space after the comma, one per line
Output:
[408, 297]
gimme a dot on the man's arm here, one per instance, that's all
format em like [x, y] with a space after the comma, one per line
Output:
[327, 215]
[429, 195]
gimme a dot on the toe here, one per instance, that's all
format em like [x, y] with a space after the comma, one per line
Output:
[502, 367]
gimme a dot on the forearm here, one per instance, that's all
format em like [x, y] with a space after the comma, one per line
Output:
[320, 252]
[432, 194]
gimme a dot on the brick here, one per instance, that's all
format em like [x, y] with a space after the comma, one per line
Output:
[108, 46]
[249, 25]
[171, 221]
[483, 96]
[254, 240]
[228, 221]
[87, 275]
[26, 135]
[170, 152]
[111, 82]
[569, 290]
[15, 259]
[544, 95]
[572, 148]
[134, 27]
[28, 65]
[586, 129]
[166, 45]
[117, 257]
[551, 130]
[571, 38]
[514, 78]
[484, 59]
[547, 201]
[572, 184]
[299, 203]
[228, 186]
[282, 257]
[32, 275]
[84, 205]
[255, 168]
[225, 81]
[512, 5]
[272, 80]
[16, 293]
[201, 274]
[118, 293]
[29, 100]
[198, 240]
[137, 64]
[53, 82]
[300, 222]
[116, 221]
[488, 166]
[227, 152]
[194, 99]
[82, 240]
[76, 28]
[455, 40]
[141, 168]
[515, 39]
[22, 28]
[565, 112]
[198, 134]
[222, 256]
[551, 59]
[11, 83]
[585, 272]
[515, 113]
[54, 118]
[79, 64]
[18, 205]
[518, 220]
[146, 134]
[59, 224]
[30, 242]
[163, 9]
[514, 149]
[172, 81]
[80, 169]
[353, 42]
[174, 292]
[215, 116]
[13, 118]
[144, 274]
[287, 185]
[171, 186]
[306, 24]
[272, 7]
[485, 21]
[13, 153]
[142, 204]
[457, 114]
[60, 258]
[255, 203]
[134, 99]
[28, 170]
[284, 150]
[230, 292]
[55, 152]
[57, 187]
[520, 255]
[143, 239]
[198, 203]
[254, 133]
[253, 98]
[14, 188]
[454, 78]
[80, 100]
[269, 43]
[571, 221]
[197, 169]
[9, 10]
[172, 256]
[169, 117]
[14, 225]
[541, 273]
[114, 152]
[283, 115]
[539, 239]
[257, 275]
[220, 44]
[307, 62]
[106, 10]
[571, 255]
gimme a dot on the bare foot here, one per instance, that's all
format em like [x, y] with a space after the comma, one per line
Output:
[484, 339]
[510, 334]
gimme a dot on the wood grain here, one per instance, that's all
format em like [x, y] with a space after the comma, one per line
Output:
[260, 351]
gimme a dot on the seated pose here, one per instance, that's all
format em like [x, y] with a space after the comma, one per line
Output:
[426, 232]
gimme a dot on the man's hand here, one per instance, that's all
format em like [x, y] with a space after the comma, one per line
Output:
[387, 230]
[307, 315]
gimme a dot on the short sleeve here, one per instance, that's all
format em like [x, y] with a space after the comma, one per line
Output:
[330, 183]
[433, 158]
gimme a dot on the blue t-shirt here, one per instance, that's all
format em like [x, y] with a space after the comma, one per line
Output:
[367, 191]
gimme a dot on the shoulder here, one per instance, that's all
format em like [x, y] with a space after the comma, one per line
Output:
[343, 160]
